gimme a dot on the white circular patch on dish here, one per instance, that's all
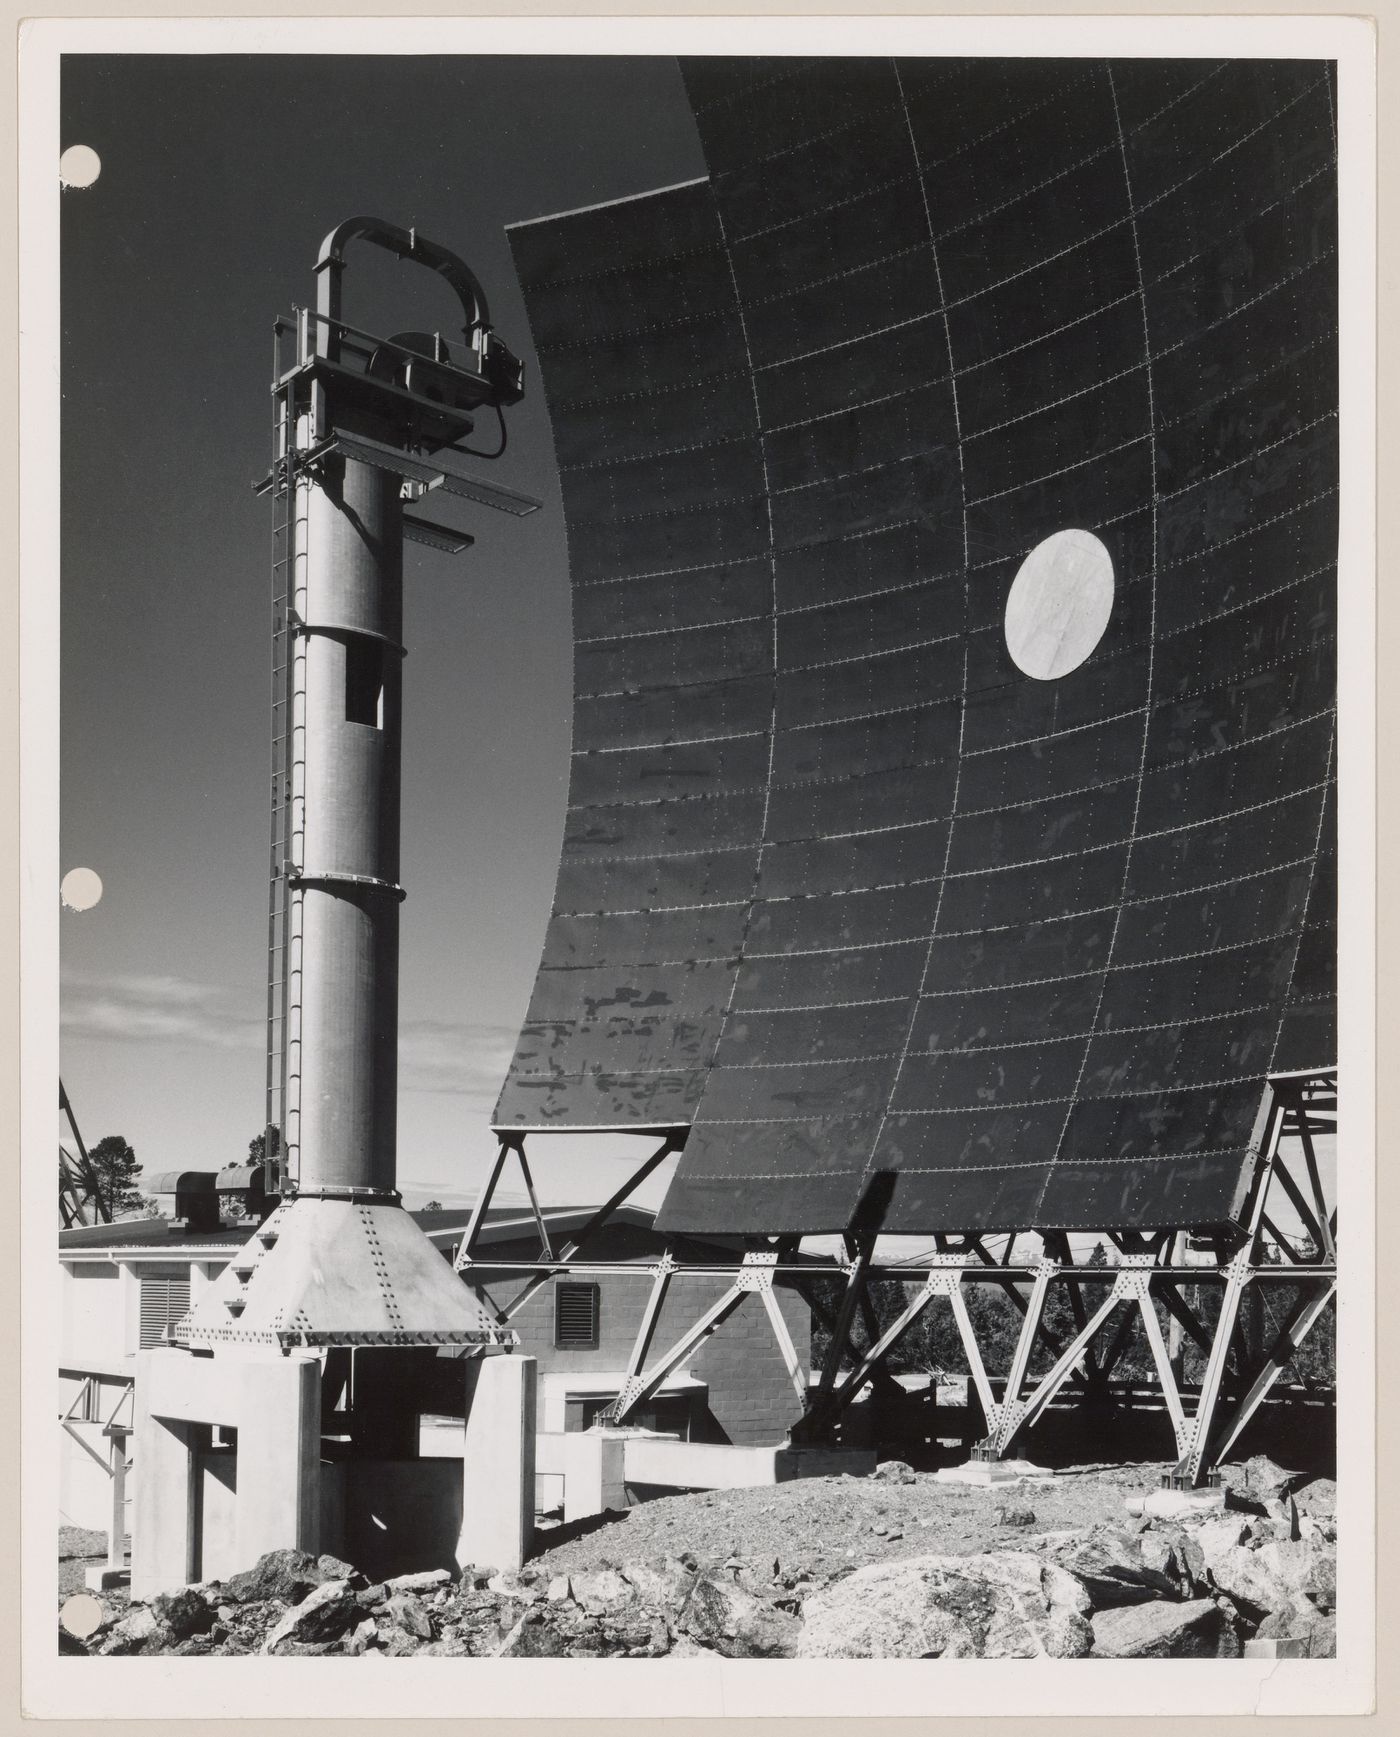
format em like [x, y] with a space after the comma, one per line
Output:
[81, 889]
[1060, 602]
[79, 166]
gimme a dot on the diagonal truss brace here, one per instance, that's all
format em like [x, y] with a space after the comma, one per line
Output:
[1015, 1413]
[755, 1275]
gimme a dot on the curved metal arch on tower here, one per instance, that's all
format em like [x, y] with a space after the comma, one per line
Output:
[908, 937]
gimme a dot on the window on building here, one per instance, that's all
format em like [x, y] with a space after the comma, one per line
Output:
[576, 1315]
[364, 683]
[163, 1301]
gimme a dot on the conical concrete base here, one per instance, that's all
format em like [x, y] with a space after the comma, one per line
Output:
[339, 1272]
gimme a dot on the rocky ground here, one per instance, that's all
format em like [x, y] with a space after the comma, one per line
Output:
[78, 1550]
[900, 1565]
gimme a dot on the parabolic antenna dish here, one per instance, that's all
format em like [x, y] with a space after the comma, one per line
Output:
[951, 485]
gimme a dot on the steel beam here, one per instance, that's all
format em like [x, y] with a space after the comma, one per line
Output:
[639, 1388]
[797, 1375]
[1021, 1356]
[883, 1345]
[1193, 1460]
[482, 1202]
[1165, 1373]
[650, 1315]
[1322, 1237]
[1181, 1311]
[599, 1218]
[545, 1248]
[1285, 1347]
[1018, 1414]
[977, 1369]
[855, 1283]
[1327, 1248]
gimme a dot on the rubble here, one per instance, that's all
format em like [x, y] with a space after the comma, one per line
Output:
[1000, 1605]
[821, 1568]
[324, 1614]
[1195, 1630]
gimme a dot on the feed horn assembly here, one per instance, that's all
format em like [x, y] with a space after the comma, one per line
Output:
[312, 1328]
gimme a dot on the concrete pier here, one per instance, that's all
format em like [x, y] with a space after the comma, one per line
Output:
[498, 1463]
[274, 1403]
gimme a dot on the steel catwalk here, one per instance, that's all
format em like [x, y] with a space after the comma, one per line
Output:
[908, 937]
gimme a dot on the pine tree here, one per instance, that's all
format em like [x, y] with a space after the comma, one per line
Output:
[116, 1167]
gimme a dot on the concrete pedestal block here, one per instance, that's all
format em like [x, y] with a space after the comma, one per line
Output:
[822, 1462]
[498, 1463]
[987, 1474]
[274, 1402]
[594, 1472]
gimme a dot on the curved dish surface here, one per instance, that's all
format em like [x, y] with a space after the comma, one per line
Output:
[907, 936]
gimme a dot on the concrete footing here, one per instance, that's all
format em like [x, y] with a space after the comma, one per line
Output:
[989, 1474]
[599, 1466]
[103, 1579]
[1173, 1504]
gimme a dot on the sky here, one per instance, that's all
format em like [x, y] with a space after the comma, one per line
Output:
[220, 175]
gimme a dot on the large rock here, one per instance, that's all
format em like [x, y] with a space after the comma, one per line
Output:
[1004, 1604]
[514, 1586]
[728, 1619]
[131, 1635]
[1243, 1574]
[1263, 1569]
[449, 1647]
[406, 1612]
[1171, 1550]
[333, 1568]
[1196, 1630]
[665, 1586]
[536, 1635]
[895, 1472]
[426, 1580]
[1265, 1481]
[1109, 1562]
[184, 1612]
[285, 1574]
[1306, 1567]
[1318, 1500]
[323, 1615]
[601, 1591]
[1303, 1622]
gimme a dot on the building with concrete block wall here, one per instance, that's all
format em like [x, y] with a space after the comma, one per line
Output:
[734, 1388]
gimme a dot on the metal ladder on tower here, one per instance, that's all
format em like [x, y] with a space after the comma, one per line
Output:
[283, 926]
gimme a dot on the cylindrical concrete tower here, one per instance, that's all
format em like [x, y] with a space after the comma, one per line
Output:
[349, 610]
[362, 422]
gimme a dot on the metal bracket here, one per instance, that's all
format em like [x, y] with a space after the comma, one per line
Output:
[332, 878]
[756, 1272]
[431, 470]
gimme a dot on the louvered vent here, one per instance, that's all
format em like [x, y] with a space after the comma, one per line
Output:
[163, 1301]
[576, 1315]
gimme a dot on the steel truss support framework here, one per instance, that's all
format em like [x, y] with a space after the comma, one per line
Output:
[79, 1185]
[1106, 1302]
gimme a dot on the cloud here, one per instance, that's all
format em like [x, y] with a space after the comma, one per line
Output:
[461, 1058]
[171, 1010]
